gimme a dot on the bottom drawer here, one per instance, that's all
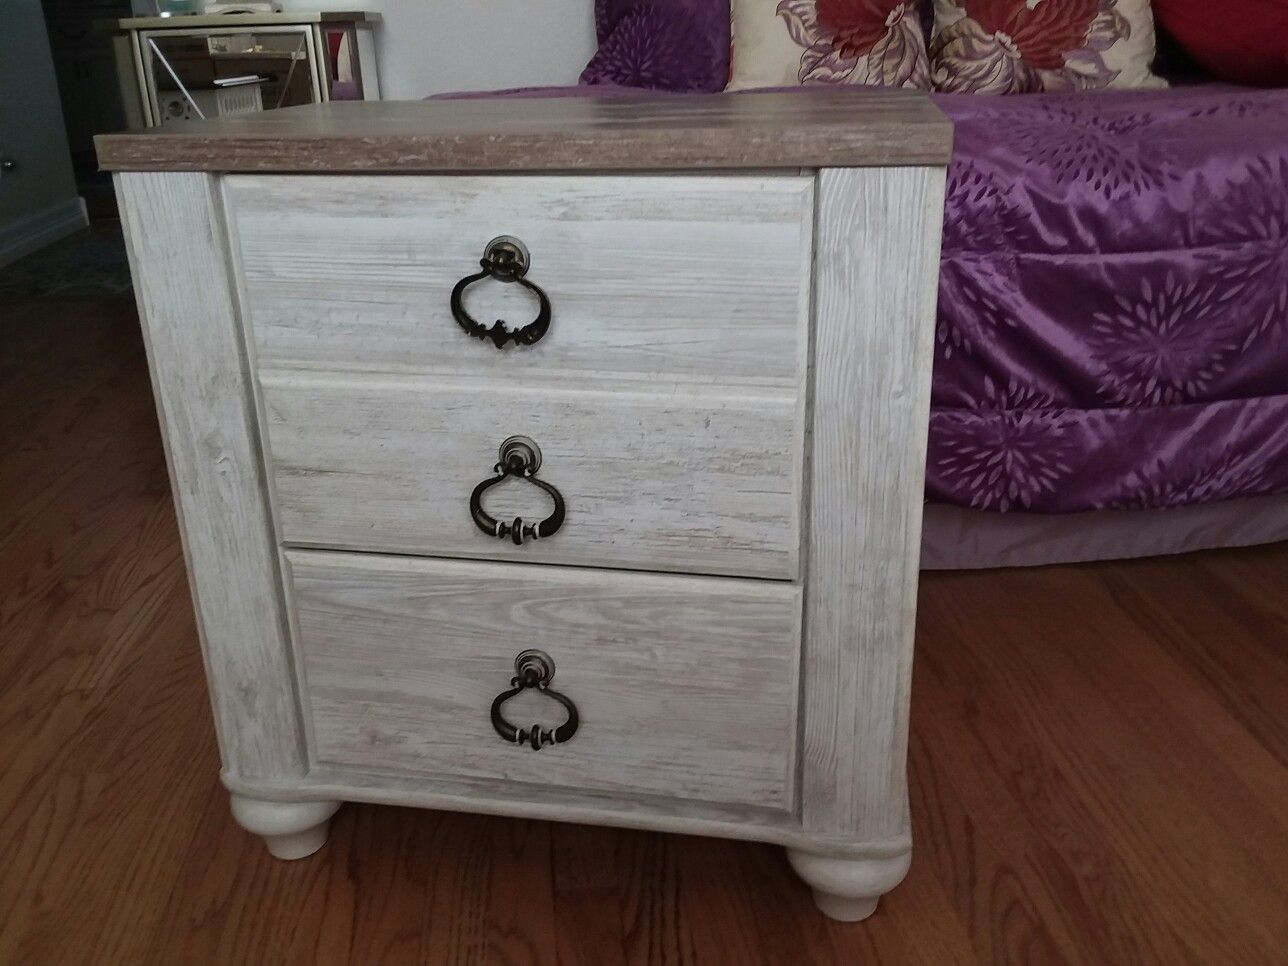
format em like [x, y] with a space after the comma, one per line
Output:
[685, 687]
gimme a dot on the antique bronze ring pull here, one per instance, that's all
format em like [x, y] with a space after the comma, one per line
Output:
[534, 669]
[519, 457]
[506, 260]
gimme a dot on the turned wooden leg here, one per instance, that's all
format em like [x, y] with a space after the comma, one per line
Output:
[291, 830]
[848, 889]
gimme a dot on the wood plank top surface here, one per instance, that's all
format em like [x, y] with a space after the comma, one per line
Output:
[187, 21]
[796, 129]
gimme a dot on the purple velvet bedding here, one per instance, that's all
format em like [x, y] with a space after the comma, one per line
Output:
[1113, 304]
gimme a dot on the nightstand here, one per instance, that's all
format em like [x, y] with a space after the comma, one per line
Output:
[555, 458]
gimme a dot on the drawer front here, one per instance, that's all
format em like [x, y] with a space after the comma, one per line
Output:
[697, 277]
[695, 482]
[685, 687]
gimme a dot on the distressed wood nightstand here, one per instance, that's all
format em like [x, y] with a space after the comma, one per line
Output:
[645, 553]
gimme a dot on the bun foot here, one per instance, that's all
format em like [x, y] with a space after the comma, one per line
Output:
[291, 830]
[847, 889]
[844, 908]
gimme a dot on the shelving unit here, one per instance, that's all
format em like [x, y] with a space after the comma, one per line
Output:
[303, 57]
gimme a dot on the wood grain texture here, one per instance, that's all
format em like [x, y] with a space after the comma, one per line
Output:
[876, 265]
[686, 687]
[174, 230]
[689, 481]
[829, 128]
[1098, 759]
[683, 277]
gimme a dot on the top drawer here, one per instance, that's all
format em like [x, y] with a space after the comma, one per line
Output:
[686, 277]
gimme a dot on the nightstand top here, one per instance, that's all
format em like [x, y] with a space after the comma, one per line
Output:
[813, 128]
[203, 21]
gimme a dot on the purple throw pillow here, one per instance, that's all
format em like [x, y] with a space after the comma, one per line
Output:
[670, 45]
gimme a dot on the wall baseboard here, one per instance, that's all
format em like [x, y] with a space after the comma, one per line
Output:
[41, 228]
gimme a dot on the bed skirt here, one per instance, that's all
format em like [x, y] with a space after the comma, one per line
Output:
[957, 538]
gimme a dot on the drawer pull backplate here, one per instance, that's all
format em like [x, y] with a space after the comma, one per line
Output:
[534, 669]
[506, 260]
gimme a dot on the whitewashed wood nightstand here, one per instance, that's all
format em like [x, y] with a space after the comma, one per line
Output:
[646, 553]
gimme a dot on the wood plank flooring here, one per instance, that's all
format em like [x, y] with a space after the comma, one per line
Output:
[1099, 759]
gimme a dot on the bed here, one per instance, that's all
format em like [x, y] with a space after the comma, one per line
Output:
[1111, 371]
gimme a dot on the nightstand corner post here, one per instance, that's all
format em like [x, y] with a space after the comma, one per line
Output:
[184, 286]
[876, 276]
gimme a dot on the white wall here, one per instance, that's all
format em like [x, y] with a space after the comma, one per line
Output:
[38, 199]
[429, 46]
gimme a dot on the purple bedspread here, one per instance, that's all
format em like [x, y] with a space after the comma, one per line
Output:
[1113, 302]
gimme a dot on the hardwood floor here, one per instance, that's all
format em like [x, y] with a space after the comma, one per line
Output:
[1099, 759]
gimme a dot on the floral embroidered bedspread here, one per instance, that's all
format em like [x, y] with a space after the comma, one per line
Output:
[1113, 302]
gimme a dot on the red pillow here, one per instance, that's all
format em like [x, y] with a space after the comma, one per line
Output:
[1245, 41]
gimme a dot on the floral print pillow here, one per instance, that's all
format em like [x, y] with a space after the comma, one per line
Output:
[779, 44]
[1023, 46]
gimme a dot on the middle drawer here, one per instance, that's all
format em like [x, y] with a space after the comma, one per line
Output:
[691, 481]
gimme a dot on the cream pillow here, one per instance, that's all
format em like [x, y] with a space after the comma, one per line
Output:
[779, 44]
[1021, 46]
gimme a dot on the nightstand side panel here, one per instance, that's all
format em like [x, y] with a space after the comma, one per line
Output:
[876, 264]
[184, 287]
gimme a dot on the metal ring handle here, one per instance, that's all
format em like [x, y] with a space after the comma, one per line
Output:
[519, 457]
[534, 669]
[506, 259]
